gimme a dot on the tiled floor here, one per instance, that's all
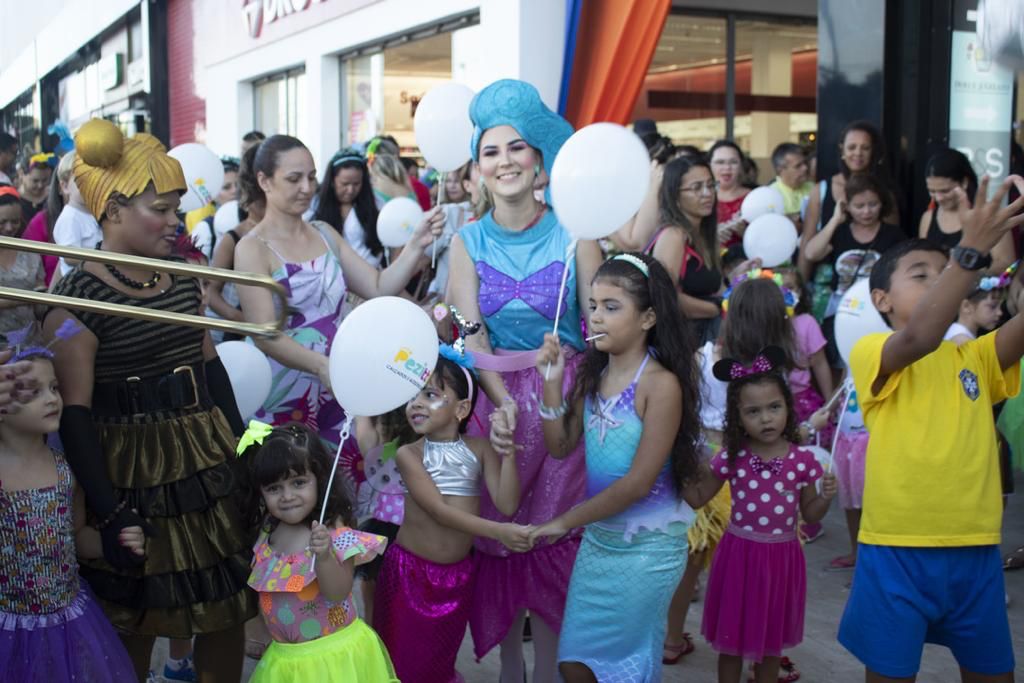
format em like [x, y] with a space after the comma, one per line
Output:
[819, 657]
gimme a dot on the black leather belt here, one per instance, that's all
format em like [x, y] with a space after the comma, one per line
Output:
[183, 389]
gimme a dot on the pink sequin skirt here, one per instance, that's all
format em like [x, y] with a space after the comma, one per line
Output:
[420, 611]
[851, 451]
[508, 583]
[757, 590]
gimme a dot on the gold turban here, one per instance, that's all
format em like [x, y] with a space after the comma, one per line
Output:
[106, 162]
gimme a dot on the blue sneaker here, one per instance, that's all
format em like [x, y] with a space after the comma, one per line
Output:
[185, 673]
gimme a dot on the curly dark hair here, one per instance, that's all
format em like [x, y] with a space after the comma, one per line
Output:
[673, 344]
[734, 437]
[287, 451]
[757, 318]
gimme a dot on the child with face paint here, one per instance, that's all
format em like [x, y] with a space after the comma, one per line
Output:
[426, 583]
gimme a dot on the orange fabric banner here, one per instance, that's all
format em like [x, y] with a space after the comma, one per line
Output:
[615, 43]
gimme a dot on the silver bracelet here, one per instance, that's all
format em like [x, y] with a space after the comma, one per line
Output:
[550, 414]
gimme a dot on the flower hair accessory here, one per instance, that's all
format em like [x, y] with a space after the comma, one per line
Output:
[788, 295]
[635, 260]
[769, 359]
[255, 434]
[19, 339]
[1001, 281]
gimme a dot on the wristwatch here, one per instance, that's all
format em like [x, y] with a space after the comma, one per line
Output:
[971, 259]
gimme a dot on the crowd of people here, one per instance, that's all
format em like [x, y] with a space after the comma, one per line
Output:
[691, 412]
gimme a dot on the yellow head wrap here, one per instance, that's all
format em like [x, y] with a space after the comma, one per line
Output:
[106, 162]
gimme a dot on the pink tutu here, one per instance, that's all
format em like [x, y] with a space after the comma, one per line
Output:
[757, 590]
[508, 583]
[851, 450]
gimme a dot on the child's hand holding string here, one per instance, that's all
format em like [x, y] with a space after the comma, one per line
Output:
[319, 539]
[829, 487]
[550, 354]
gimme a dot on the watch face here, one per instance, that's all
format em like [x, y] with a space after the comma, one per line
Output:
[969, 258]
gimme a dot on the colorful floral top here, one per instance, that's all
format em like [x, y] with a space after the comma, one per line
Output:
[38, 570]
[290, 599]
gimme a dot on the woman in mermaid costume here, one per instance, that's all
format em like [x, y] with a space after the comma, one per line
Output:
[508, 267]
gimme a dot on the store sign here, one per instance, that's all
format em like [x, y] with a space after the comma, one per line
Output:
[257, 13]
[980, 102]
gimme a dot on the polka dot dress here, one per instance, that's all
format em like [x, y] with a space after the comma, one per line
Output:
[757, 589]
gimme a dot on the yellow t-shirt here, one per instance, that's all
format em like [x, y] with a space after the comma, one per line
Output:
[793, 199]
[932, 470]
[194, 217]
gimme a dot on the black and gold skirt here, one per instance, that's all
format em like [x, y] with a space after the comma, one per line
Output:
[178, 470]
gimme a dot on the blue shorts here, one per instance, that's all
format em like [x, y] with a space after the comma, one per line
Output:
[904, 597]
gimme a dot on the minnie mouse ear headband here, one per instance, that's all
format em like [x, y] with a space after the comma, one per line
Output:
[769, 359]
[789, 296]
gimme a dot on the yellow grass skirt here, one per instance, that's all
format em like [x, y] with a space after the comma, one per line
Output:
[712, 519]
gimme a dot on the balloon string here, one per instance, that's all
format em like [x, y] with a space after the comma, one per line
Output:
[342, 438]
[569, 254]
[846, 388]
[440, 201]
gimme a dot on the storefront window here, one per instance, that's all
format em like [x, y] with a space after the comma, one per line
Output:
[385, 83]
[280, 102]
[775, 73]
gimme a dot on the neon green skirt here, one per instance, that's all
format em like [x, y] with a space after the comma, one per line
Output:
[355, 654]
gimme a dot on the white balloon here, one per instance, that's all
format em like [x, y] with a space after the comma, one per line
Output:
[760, 201]
[382, 355]
[856, 317]
[204, 174]
[250, 375]
[444, 131]
[226, 218]
[771, 238]
[599, 179]
[397, 220]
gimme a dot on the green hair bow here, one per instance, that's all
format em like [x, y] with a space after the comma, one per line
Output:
[254, 434]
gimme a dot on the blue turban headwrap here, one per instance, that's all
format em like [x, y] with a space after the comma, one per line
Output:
[518, 104]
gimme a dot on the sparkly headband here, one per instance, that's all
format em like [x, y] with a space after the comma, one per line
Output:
[9, 189]
[635, 260]
[987, 284]
[788, 295]
[339, 160]
[770, 358]
[68, 329]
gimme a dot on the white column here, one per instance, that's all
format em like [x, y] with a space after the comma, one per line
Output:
[772, 74]
[322, 106]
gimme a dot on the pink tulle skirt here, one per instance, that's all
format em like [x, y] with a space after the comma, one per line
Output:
[805, 404]
[508, 583]
[420, 611]
[756, 594]
[851, 451]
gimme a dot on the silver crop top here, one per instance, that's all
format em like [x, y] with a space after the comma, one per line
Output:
[453, 467]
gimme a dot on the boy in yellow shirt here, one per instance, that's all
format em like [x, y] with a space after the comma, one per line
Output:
[928, 565]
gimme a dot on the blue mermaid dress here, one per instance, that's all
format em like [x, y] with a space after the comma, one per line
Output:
[628, 565]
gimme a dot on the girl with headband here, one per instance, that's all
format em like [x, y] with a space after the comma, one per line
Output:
[508, 267]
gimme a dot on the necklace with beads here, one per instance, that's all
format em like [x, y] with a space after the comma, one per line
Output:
[127, 281]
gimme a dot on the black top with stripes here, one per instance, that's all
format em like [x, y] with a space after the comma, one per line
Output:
[141, 348]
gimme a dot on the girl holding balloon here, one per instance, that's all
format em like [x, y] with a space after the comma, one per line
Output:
[508, 267]
[317, 267]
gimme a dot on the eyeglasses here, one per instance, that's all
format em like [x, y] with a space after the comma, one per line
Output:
[701, 188]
